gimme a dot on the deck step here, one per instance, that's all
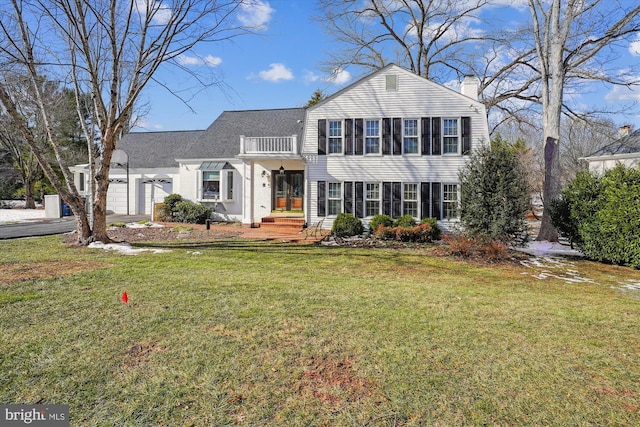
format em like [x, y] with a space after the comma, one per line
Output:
[282, 223]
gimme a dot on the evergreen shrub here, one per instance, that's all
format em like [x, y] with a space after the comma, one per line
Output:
[601, 215]
[495, 194]
[346, 225]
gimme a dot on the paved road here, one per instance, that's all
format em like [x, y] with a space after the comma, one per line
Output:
[46, 227]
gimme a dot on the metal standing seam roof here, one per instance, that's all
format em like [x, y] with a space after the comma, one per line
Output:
[221, 140]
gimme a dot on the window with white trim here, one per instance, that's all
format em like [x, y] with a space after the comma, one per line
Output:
[334, 196]
[335, 136]
[372, 199]
[410, 136]
[217, 185]
[410, 200]
[210, 185]
[450, 136]
[81, 183]
[372, 137]
[229, 185]
[450, 201]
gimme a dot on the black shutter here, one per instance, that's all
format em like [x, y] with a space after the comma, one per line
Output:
[466, 136]
[348, 197]
[386, 136]
[397, 199]
[435, 200]
[426, 136]
[322, 137]
[359, 149]
[436, 144]
[348, 136]
[425, 200]
[397, 137]
[359, 190]
[322, 198]
[386, 199]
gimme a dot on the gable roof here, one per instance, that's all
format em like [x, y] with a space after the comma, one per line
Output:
[628, 144]
[221, 140]
[398, 69]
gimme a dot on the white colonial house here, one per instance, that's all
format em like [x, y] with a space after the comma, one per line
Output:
[390, 143]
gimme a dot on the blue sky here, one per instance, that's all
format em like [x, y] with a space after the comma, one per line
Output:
[279, 67]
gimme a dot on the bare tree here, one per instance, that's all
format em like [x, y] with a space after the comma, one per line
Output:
[111, 49]
[424, 36]
[568, 37]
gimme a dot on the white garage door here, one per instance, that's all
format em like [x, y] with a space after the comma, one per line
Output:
[117, 196]
[153, 191]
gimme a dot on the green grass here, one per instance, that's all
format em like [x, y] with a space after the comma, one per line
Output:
[239, 332]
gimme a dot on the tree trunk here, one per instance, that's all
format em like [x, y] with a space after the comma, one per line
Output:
[29, 199]
[551, 188]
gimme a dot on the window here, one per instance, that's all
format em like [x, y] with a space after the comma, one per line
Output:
[450, 201]
[410, 140]
[410, 200]
[450, 135]
[335, 198]
[372, 202]
[335, 136]
[229, 186]
[211, 185]
[81, 182]
[372, 137]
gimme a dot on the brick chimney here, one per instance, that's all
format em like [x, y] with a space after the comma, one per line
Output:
[469, 87]
[624, 131]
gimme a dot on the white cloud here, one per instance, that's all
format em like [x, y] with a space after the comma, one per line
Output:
[209, 60]
[161, 12]
[276, 73]
[255, 14]
[623, 94]
[339, 77]
[311, 77]
[634, 47]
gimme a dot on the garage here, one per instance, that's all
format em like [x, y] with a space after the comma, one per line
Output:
[152, 191]
[117, 196]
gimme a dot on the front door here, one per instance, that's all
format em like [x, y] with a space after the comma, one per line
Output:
[289, 190]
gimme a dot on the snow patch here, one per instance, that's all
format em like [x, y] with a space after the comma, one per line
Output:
[17, 212]
[124, 248]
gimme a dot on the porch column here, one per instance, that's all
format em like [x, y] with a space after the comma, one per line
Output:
[247, 193]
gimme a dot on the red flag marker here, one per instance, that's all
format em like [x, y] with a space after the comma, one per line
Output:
[125, 297]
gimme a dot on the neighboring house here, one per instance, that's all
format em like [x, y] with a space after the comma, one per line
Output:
[625, 150]
[390, 143]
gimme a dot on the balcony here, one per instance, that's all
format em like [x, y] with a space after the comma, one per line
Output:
[269, 146]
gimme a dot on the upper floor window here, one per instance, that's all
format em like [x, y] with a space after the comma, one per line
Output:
[372, 203]
[372, 136]
[335, 198]
[410, 136]
[450, 201]
[450, 136]
[335, 136]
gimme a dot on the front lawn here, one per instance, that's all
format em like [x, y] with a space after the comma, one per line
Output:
[241, 332]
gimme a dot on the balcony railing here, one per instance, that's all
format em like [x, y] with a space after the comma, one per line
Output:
[268, 145]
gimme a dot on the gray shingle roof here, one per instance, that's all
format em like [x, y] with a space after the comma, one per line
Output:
[221, 140]
[625, 145]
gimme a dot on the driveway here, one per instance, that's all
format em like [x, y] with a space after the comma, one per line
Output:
[44, 227]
